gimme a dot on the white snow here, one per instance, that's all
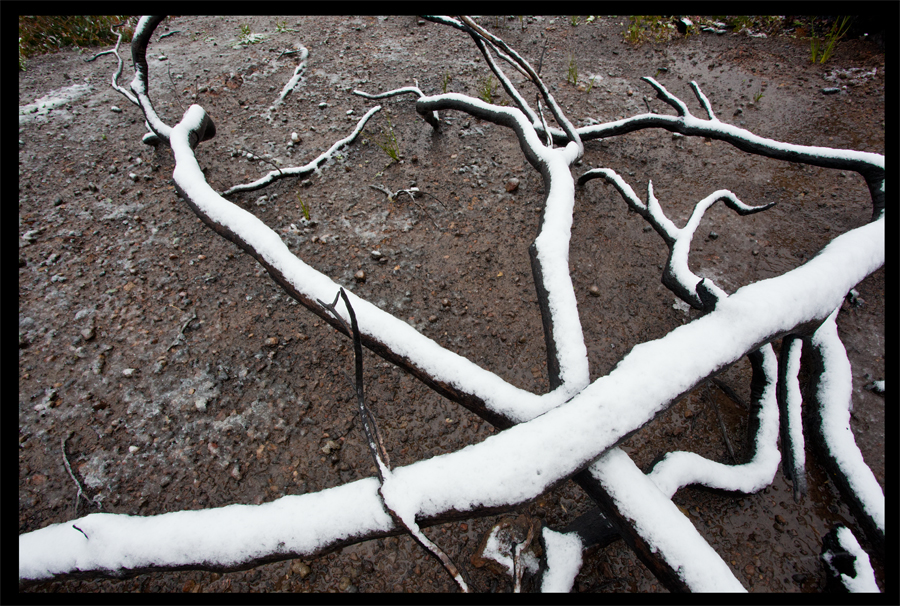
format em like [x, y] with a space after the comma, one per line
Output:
[679, 469]
[53, 99]
[835, 392]
[225, 535]
[563, 561]
[500, 549]
[556, 436]
[309, 167]
[552, 243]
[295, 79]
[662, 525]
[794, 401]
[523, 461]
[716, 128]
[864, 581]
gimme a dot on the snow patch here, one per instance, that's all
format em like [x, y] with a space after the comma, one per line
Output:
[53, 99]
[563, 561]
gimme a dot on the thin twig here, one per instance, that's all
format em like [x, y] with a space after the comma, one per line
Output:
[544, 123]
[174, 88]
[411, 192]
[541, 61]
[253, 156]
[721, 424]
[180, 335]
[80, 494]
[376, 445]
[730, 393]
[517, 560]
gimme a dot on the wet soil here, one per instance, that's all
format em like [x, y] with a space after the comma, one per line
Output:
[187, 379]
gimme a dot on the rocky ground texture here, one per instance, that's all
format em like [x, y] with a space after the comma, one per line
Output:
[179, 376]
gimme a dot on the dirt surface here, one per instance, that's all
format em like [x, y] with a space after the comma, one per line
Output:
[187, 379]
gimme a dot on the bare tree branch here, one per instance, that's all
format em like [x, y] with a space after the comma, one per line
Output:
[581, 422]
[307, 169]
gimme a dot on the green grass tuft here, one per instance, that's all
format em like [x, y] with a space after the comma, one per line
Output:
[43, 34]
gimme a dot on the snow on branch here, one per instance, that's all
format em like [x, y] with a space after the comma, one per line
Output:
[295, 78]
[578, 431]
[308, 168]
[847, 563]
[700, 293]
[679, 469]
[663, 526]
[571, 430]
[431, 118]
[789, 402]
[118, 72]
[832, 435]
[140, 84]
[869, 165]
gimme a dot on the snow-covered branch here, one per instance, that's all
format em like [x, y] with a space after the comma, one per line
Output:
[789, 402]
[579, 431]
[699, 293]
[869, 165]
[570, 432]
[832, 436]
[307, 169]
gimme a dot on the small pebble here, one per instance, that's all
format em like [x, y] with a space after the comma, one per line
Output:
[360, 276]
[594, 291]
[116, 109]
[128, 372]
[295, 137]
[300, 568]
[512, 185]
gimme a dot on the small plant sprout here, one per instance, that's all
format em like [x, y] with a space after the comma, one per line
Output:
[486, 89]
[281, 28]
[572, 75]
[759, 95]
[389, 142]
[574, 20]
[447, 78]
[590, 84]
[247, 37]
[838, 31]
[303, 206]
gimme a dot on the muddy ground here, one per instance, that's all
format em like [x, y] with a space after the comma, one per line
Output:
[187, 379]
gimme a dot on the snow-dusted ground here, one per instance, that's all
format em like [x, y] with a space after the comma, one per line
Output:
[558, 433]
